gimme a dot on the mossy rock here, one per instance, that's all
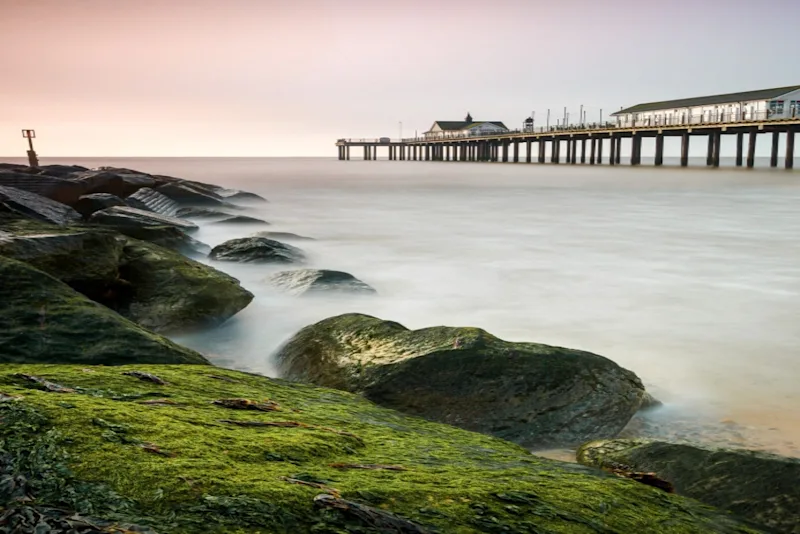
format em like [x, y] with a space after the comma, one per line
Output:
[44, 320]
[172, 293]
[257, 250]
[532, 394]
[762, 487]
[311, 282]
[164, 458]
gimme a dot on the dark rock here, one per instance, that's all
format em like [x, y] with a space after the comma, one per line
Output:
[60, 171]
[242, 196]
[125, 216]
[241, 219]
[187, 194]
[166, 236]
[119, 182]
[317, 281]
[173, 293]
[14, 167]
[257, 250]
[285, 236]
[58, 189]
[763, 488]
[33, 206]
[43, 320]
[192, 212]
[152, 200]
[535, 395]
[88, 204]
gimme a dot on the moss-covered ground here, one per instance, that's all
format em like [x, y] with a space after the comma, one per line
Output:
[162, 455]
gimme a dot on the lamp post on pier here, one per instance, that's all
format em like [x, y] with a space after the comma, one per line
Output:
[33, 160]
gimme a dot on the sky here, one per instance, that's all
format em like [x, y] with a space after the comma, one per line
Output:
[288, 78]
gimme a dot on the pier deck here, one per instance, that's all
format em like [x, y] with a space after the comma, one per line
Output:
[598, 145]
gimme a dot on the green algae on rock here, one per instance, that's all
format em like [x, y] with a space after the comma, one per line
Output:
[762, 487]
[43, 320]
[532, 394]
[95, 452]
[172, 293]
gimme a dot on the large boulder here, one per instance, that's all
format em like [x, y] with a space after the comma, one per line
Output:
[168, 237]
[193, 212]
[152, 200]
[536, 395]
[241, 196]
[61, 171]
[282, 236]
[119, 182]
[319, 281]
[242, 219]
[123, 216]
[88, 204]
[43, 320]
[204, 451]
[172, 293]
[761, 487]
[257, 250]
[58, 189]
[32, 206]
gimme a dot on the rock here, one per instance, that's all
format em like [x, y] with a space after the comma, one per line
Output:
[187, 194]
[33, 206]
[123, 216]
[257, 250]
[192, 212]
[174, 294]
[58, 189]
[535, 395]
[152, 200]
[119, 182]
[757, 486]
[86, 260]
[319, 281]
[60, 171]
[113, 456]
[168, 237]
[43, 320]
[241, 219]
[285, 236]
[88, 204]
[241, 196]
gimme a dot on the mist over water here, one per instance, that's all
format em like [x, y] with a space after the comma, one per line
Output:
[689, 277]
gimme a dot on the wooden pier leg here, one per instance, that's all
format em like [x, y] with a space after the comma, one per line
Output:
[612, 151]
[505, 151]
[592, 150]
[583, 150]
[717, 147]
[659, 150]
[790, 149]
[574, 159]
[636, 146]
[619, 150]
[516, 151]
[569, 150]
[542, 150]
[773, 158]
[600, 150]
[554, 150]
[739, 148]
[684, 150]
[710, 152]
[528, 148]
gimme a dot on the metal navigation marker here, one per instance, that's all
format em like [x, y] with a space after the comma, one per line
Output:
[33, 161]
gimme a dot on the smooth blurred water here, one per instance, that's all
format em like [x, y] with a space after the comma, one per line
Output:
[689, 277]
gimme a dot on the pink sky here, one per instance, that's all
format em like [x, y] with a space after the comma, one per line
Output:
[286, 78]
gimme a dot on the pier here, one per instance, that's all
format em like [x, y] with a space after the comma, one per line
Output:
[586, 144]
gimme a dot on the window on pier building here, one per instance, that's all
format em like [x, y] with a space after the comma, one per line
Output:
[776, 107]
[794, 108]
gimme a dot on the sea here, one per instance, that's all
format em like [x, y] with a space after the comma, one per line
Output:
[689, 277]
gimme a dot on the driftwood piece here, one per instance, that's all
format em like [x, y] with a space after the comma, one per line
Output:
[147, 377]
[369, 516]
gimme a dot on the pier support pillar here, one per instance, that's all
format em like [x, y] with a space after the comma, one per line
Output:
[751, 149]
[542, 150]
[554, 150]
[773, 157]
[659, 150]
[710, 152]
[592, 150]
[717, 147]
[739, 148]
[600, 150]
[574, 159]
[516, 151]
[505, 151]
[790, 149]
[569, 150]
[528, 148]
[583, 150]
[427, 152]
[636, 149]
[619, 150]
[612, 151]
[684, 150]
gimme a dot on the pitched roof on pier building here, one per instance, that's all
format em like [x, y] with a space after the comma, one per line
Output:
[452, 128]
[728, 98]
